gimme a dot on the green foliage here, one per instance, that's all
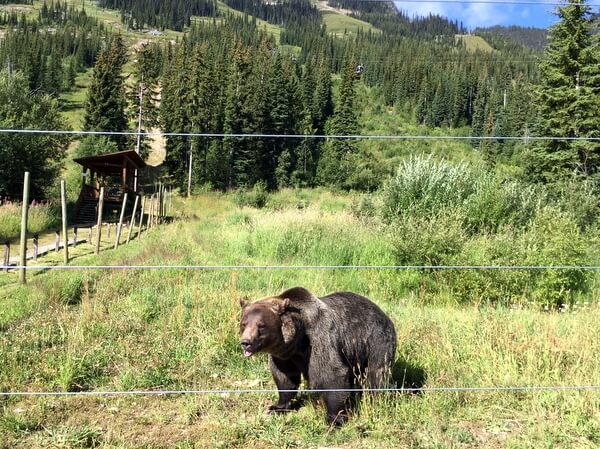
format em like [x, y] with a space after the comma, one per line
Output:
[568, 97]
[95, 145]
[433, 240]
[555, 239]
[443, 214]
[257, 197]
[178, 329]
[42, 216]
[106, 102]
[41, 155]
[423, 185]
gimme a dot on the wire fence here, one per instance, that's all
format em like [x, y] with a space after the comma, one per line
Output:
[294, 136]
[304, 267]
[240, 391]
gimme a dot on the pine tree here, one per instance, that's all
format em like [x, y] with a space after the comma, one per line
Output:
[239, 152]
[338, 160]
[174, 113]
[569, 99]
[106, 102]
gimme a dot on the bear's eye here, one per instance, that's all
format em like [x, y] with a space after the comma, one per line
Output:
[261, 328]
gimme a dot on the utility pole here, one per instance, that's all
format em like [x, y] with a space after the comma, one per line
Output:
[139, 137]
[189, 191]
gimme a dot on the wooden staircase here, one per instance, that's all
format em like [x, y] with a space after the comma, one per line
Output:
[87, 211]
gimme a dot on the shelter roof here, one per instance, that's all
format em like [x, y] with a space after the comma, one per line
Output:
[112, 163]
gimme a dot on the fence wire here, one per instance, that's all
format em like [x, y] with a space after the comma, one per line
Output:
[292, 136]
[239, 391]
[301, 267]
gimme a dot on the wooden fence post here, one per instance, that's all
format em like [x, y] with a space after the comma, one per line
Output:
[90, 235]
[36, 247]
[141, 217]
[6, 255]
[151, 213]
[163, 198]
[99, 220]
[132, 222]
[170, 200]
[63, 202]
[24, 216]
[74, 236]
[57, 241]
[120, 225]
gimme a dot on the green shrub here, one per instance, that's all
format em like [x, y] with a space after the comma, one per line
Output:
[580, 198]
[431, 240]
[257, 197]
[553, 238]
[425, 186]
[498, 286]
[494, 204]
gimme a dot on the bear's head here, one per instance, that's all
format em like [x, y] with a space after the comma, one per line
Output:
[264, 325]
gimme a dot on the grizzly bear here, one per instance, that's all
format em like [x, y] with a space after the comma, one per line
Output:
[339, 342]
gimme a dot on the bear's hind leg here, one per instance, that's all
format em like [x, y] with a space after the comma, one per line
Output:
[336, 402]
[379, 371]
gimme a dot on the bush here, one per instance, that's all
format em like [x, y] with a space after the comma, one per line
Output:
[553, 238]
[433, 240]
[424, 186]
[257, 197]
[494, 204]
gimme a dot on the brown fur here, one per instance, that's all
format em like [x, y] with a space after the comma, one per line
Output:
[334, 342]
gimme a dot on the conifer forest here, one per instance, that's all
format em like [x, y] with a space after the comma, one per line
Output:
[224, 71]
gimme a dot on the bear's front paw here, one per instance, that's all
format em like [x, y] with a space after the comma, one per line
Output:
[278, 408]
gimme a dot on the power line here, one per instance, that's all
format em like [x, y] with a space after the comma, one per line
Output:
[331, 390]
[304, 267]
[291, 136]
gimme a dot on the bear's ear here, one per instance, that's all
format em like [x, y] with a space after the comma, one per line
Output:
[282, 307]
[288, 329]
[243, 303]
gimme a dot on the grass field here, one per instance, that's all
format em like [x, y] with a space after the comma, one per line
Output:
[339, 24]
[474, 43]
[177, 329]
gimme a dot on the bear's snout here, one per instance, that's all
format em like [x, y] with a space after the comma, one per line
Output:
[247, 347]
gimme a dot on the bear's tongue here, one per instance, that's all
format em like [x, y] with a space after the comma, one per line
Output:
[247, 353]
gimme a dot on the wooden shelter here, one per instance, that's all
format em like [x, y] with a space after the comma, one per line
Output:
[116, 172]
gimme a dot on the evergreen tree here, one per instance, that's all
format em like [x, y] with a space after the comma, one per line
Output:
[175, 111]
[569, 99]
[339, 155]
[106, 102]
[240, 154]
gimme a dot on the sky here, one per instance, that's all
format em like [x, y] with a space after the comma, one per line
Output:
[482, 14]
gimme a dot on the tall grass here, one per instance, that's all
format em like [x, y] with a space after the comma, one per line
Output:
[42, 216]
[145, 329]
